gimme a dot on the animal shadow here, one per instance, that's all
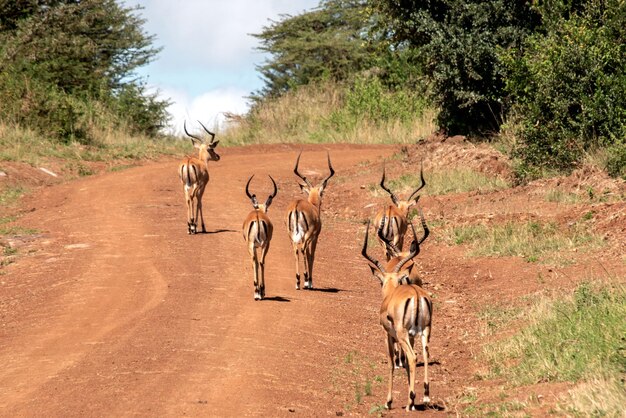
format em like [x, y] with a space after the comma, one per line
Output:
[430, 363]
[430, 407]
[218, 231]
[277, 299]
[325, 289]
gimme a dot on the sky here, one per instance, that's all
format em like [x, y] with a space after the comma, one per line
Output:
[207, 64]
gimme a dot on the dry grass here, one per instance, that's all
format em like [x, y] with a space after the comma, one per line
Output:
[311, 114]
[602, 396]
[25, 145]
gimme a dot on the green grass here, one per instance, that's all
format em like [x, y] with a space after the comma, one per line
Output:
[355, 378]
[496, 317]
[441, 182]
[579, 338]
[10, 195]
[532, 240]
[590, 195]
[561, 196]
[24, 145]
[6, 229]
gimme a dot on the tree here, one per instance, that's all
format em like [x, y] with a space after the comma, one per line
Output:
[457, 42]
[83, 49]
[329, 42]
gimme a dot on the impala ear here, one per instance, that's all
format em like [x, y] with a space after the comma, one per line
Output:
[214, 144]
[410, 268]
[304, 188]
[377, 274]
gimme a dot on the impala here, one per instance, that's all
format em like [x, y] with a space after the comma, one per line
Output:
[405, 312]
[194, 173]
[304, 223]
[396, 255]
[257, 232]
[413, 275]
[392, 220]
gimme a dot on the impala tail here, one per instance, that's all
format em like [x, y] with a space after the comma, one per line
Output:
[298, 226]
[417, 320]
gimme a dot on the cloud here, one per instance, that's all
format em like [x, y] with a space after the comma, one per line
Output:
[214, 33]
[207, 65]
[209, 108]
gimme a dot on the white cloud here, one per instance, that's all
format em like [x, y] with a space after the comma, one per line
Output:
[207, 65]
[209, 108]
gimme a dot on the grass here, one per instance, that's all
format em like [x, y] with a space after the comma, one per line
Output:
[532, 240]
[321, 114]
[580, 339]
[25, 145]
[441, 182]
[496, 317]
[10, 195]
[6, 229]
[357, 372]
[590, 195]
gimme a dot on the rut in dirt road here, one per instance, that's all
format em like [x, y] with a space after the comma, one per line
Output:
[121, 313]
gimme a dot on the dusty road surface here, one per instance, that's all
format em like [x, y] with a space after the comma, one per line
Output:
[109, 308]
[118, 312]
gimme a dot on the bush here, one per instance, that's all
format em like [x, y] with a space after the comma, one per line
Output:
[368, 99]
[569, 87]
[457, 42]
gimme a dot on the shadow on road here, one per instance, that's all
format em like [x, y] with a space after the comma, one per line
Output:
[326, 289]
[219, 231]
[277, 299]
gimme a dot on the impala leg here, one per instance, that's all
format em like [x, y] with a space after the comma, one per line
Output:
[390, 353]
[310, 257]
[296, 253]
[199, 210]
[426, 355]
[193, 197]
[307, 262]
[399, 357]
[189, 209]
[255, 266]
[262, 262]
[411, 357]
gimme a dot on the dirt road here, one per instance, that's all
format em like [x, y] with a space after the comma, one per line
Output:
[116, 311]
[111, 309]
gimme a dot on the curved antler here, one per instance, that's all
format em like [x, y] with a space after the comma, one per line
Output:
[422, 185]
[207, 131]
[332, 172]
[268, 202]
[364, 251]
[190, 135]
[424, 226]
[394, 198]
[415, 249]
[252, 197]
[295, 170]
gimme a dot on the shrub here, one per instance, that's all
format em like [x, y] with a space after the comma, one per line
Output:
[569, 86]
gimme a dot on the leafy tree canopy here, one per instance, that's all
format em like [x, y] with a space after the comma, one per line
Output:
[329, 42]
[86, 49]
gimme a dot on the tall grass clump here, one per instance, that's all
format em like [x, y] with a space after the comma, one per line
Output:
[21, 144]
[440, 182]
[578, 339]
[329, 112]
[534, 241]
